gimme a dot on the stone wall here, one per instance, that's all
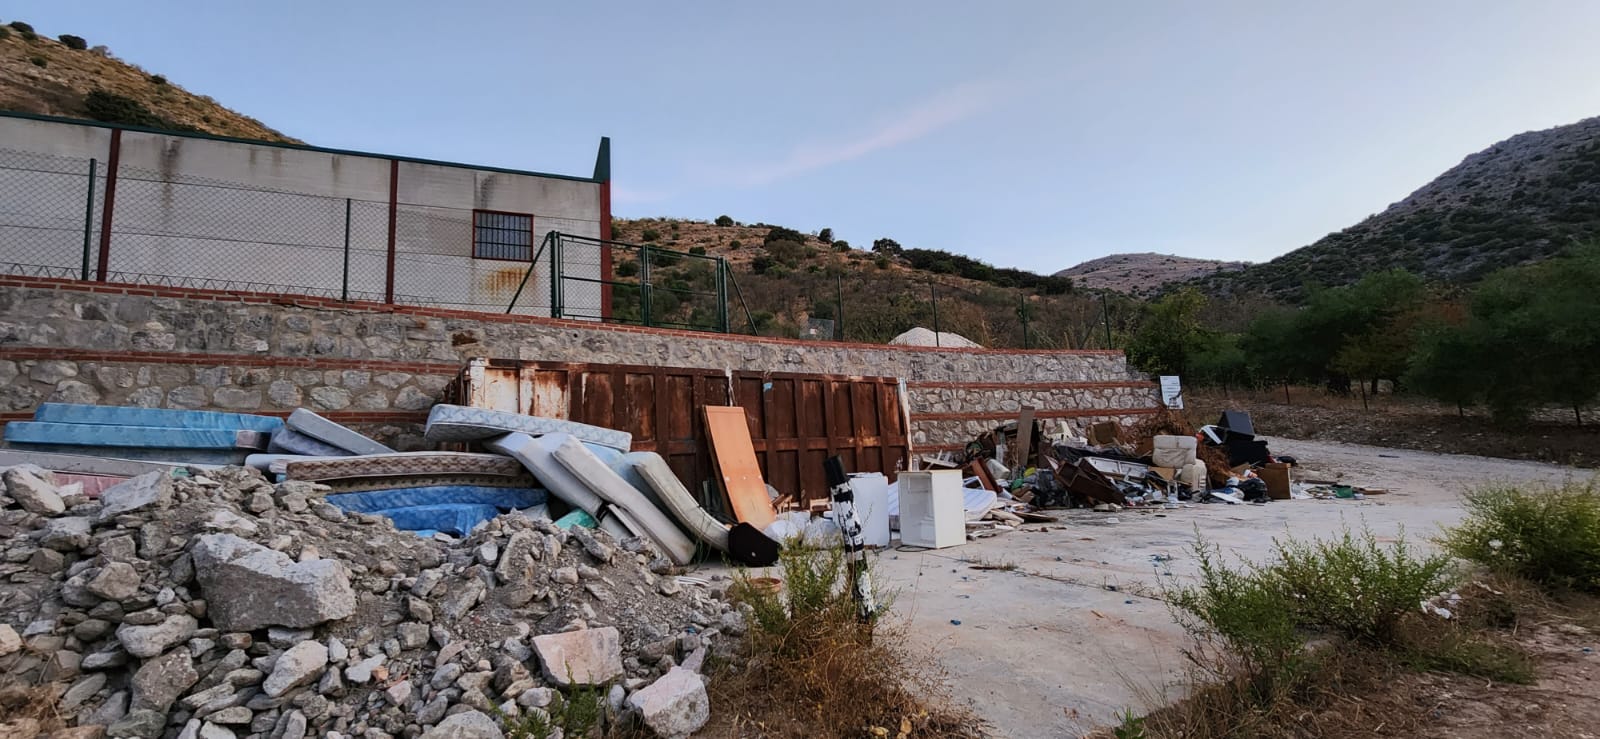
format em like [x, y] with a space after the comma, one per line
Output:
[368, 364]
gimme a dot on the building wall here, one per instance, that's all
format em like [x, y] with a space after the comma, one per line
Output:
[383, 367]
[239, 215]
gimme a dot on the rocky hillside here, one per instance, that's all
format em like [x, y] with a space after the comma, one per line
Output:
[1519, 201]
[1144, 273]
[49, 77]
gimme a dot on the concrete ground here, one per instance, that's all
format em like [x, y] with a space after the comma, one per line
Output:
[1051, 650]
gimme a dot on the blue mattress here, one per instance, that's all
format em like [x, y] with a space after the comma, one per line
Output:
[147, 437]
[110, 415]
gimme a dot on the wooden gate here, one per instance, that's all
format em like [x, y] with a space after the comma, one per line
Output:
[796, 420]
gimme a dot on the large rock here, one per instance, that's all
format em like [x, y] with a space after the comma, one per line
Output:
[66, 534]
[149, 490]
[10, 641]
[248, 586]
[465, 725]
[148, 641]
[116, 581]
[674, 706]
[160, 681]
[299, 665]
[32, 492]
[584, 657]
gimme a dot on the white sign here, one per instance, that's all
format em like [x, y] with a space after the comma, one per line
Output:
[1171, 392]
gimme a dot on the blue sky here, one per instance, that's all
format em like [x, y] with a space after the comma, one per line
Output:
[1028, 134]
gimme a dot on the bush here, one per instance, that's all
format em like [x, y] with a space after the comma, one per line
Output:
[886, 246]
[662, 257]
[101, 50]
[76, 43]
[724, 221]
[629, 268]
[24, 30]
[649, 234]
[1251, 614]
[789, 253]
[735, 244]
[825, 236]
[841, 245]
[698, 251]
[779, 233]
[39, 61]
[762, 264]
[113, 108]
[882, 261]
[1550, 537]
[1354, 587]
[156, 79]
[5, 33]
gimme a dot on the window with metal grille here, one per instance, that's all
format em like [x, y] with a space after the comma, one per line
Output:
[499, 235]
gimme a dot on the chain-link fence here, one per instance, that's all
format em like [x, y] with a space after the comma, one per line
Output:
[181, 230]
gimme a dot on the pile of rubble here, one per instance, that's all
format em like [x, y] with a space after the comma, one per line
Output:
[216, 604]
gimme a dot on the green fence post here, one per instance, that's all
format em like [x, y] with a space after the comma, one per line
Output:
[722, 295]
[88, 221]
[644, 285]
[555, 277]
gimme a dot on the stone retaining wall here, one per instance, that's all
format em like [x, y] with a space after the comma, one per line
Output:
[369, 364]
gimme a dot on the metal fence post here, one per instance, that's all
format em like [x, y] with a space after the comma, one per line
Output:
[644, 285]
[838, 314]
[1022, 313]
[722, 295]
[555, 278]
[344, 293]
[933, 291]
[88, 221]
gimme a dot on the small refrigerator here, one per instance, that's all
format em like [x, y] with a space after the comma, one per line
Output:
[931, 509]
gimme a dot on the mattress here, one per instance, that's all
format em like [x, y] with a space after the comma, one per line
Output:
[675, 499]
[647, 519]
[289, 441]
[535, 454]
[400, 464]
[110, 415]
[322, 429]
[460, 423]
[147, 437]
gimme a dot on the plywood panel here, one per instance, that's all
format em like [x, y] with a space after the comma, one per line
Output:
[735, 457]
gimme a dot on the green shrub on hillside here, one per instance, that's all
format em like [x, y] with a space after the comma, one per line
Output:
[76, 43]
[113, 108]
[724, 221]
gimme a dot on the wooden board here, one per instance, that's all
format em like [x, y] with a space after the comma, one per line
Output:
[734, 456]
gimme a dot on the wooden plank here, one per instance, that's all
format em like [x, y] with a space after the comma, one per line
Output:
[728, 429]
[1024, 440]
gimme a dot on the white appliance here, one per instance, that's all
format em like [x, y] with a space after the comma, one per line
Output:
[872, 505]
[931, 509]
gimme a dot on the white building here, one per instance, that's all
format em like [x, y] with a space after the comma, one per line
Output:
[205, 211]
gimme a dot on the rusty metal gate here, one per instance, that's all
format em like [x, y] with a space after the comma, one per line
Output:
[796, 420]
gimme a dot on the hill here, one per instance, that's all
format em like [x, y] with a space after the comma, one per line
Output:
[1520, 201]
[48, 77]
[1144, 273]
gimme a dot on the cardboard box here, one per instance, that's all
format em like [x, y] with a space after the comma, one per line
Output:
[1276, 476]
[1105, 433]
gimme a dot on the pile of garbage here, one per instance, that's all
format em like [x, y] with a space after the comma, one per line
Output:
[1162, 462]
[213, 602]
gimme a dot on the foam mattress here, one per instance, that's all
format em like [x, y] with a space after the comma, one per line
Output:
[460, 423]
[537, 456]
[633, 506]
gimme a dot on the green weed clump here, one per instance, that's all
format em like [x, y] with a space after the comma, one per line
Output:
[1355, 587]
[1548, 536]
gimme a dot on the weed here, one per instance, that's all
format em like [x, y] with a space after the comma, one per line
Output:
[649, 234]
[1461, 650]
[697, 250]
[156, 79]
[575, 714]
[1549, 536]
[735, 244]
[837, 675]
[1354, 587]
[1249, 612]
[5, 33]
[1130, 727]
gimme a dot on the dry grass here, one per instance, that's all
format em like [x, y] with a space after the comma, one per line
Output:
[59, 88]
[810, 668]
[35, 705]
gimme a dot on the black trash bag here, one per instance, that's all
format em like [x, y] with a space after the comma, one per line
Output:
[1254, 490]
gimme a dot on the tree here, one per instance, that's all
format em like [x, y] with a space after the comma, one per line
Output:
[724, 221]
[825, 236]
[887, 247]
[841, 245]
[76, 43]
[779, 233]
[1168, 332]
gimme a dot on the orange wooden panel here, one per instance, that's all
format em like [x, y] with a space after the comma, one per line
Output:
[735, 457]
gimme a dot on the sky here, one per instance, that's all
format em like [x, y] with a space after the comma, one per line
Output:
[1028, 134]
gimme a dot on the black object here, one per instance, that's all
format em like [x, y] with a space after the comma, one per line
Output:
[1254, 490]
[1237, 422]
[748, 546]
[1246, 451]
[1288, 460]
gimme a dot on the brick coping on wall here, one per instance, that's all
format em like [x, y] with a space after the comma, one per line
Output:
[305, 301]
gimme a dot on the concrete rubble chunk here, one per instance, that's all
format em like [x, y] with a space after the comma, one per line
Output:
[34, 493]
[248, 586]
[151, 489]
[66, 534]
[160, 681]
[360, 673]
[466, 725]
[673, 706]
[583, 657]
[116, 581]
[10, 640]
[148, 641]
[297, 666]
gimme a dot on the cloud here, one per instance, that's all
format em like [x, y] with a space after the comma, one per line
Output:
[944, 108]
